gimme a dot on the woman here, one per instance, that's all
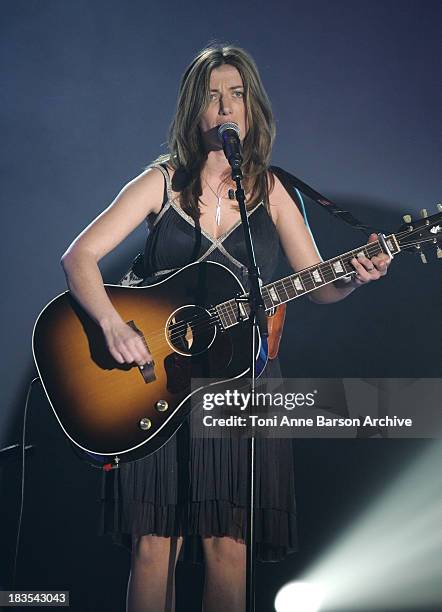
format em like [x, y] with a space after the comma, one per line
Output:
[191, 490]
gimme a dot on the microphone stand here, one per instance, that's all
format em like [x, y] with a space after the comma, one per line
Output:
[258, 322]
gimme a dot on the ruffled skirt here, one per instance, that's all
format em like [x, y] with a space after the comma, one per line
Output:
[197, 488]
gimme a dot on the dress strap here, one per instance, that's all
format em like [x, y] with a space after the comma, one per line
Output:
[164, 171]
[167, 199]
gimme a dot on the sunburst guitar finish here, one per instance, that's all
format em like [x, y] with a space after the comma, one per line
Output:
[120, 411]
[193, 326]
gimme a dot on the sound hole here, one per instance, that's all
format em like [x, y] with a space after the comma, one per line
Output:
[190, 330]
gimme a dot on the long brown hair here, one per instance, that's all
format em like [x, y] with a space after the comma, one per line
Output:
[187, 154]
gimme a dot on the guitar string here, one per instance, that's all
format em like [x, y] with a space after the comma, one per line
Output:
[207, 325]
[222, 309]
[201, 323]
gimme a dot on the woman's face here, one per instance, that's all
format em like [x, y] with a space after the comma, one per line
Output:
[226, 104]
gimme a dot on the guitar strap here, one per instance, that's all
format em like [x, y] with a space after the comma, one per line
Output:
[291, 183]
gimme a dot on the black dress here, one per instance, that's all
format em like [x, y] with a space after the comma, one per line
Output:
[197, 487]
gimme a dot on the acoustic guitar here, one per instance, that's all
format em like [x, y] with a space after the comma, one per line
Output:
[196, 326]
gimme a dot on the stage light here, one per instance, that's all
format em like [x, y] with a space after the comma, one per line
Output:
[299, 596]
[389, 558]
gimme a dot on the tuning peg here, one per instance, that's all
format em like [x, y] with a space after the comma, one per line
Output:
[423, 258]
[407, 218]
[424, 213]
[439, 207]
[439, 252]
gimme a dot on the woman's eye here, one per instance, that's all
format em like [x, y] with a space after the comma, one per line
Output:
[236, 94]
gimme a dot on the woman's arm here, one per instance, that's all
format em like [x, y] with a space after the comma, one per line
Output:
[301, 251]
[137, 199]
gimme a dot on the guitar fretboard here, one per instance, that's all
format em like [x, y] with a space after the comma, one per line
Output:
[301, 283]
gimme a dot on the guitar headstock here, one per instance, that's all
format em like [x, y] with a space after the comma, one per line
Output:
[416, 235]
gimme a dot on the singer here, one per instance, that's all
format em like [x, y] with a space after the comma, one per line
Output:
[188, 499]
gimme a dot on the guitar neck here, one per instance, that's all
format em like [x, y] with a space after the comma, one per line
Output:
[303, 282]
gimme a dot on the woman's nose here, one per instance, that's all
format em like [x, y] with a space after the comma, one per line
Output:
[224, 108]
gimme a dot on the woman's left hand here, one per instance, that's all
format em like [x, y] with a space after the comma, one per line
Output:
[370, 269]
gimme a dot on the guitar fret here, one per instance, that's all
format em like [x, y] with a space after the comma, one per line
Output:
[283, 291]
[280, 292]
[266, 297]
[373, 249]
[266, 293]
[302, 282]
[273, 295]
[219, 310]
[233, 312]
[317, 276]
[338, 266]
[307, 280]
[290, 289]
[227, 313]
[298, 284]
[327, 272]
[348, 267]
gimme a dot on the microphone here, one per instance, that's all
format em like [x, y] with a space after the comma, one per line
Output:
[228, 134]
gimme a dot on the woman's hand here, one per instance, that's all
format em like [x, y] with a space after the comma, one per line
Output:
[124, 344]
[370, 269]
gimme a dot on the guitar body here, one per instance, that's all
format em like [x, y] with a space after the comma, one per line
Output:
[192, 326]
[110, 410]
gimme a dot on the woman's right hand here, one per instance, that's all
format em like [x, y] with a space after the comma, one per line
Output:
[124, 344]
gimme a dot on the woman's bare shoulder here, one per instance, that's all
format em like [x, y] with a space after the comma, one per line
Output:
[146, 187]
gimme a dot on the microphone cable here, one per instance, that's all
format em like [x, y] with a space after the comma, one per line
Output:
[23, 463]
